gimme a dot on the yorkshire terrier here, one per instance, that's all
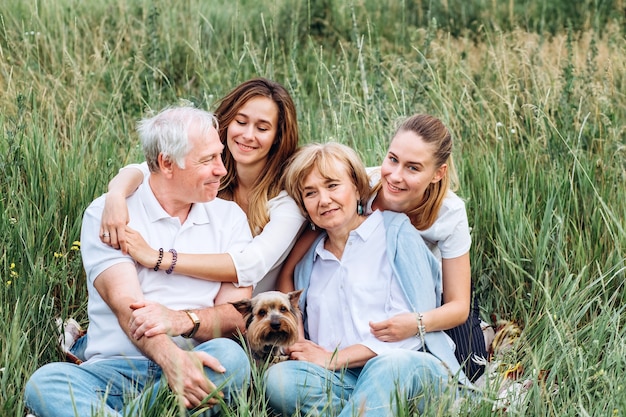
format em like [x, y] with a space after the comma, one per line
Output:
[502, 348]
[272, 319]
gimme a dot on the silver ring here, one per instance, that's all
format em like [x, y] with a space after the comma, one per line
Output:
[105, 234]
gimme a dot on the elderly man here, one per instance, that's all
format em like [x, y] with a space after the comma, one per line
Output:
[176, 208]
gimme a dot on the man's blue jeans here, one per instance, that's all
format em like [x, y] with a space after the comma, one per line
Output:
[375, 390]
[115, 386]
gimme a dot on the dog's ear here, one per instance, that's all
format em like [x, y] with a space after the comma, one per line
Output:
[243, 306]
[294, 298]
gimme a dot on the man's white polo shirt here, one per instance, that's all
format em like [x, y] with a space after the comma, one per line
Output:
[218, 226]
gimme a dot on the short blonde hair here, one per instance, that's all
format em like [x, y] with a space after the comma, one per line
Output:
[329, 158]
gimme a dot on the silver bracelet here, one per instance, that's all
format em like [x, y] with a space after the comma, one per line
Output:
[421, 329]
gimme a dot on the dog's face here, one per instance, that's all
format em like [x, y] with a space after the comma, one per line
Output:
[271, 321]
[507, 335]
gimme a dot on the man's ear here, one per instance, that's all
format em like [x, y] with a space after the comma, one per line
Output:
[165, 164]
[440, 173]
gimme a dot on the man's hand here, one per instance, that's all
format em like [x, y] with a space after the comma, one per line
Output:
[150, 319]
[186, 377]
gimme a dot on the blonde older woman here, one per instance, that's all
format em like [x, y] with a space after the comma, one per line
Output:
[362, 269]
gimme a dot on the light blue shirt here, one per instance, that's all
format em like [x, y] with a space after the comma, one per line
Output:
[419, 277]
[363, 273]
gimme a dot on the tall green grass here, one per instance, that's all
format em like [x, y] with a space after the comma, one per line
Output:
[533, 92]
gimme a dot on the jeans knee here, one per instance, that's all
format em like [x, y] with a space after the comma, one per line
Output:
[280, 387]
[232, 357]
[402, 358]
[43, 381]
[407, 364]
[274, 379]
[43, 376]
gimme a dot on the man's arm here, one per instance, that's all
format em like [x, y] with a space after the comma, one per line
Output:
[223, 320]
[119, 288]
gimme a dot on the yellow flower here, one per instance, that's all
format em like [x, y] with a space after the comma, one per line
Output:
[58, 255]
[14, 274]
[12, 265]
[8, 283]
[76, 243]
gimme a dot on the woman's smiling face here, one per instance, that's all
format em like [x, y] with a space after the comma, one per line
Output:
[407, 171]
[251, 133]
[331, 202]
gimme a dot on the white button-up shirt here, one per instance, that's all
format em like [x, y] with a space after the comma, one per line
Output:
[345, 295]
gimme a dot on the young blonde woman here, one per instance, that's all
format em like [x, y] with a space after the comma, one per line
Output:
[417, 177]
[258, 125]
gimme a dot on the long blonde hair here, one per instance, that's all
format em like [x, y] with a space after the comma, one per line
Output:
[431, 130]
[267, 186]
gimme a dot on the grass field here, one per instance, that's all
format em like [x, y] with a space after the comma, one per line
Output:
[533, 91]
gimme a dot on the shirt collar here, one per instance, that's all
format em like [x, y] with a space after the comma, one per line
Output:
[363, 232]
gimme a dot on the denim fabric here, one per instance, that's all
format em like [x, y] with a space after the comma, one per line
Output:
[78, 348]
[376, 390]
[117, 387]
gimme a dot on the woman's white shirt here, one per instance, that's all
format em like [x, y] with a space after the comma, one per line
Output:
[346, 294]
[259, 263]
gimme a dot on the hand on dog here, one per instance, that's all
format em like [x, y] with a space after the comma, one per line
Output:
[399, 327]
[150, 319]
[186, 377]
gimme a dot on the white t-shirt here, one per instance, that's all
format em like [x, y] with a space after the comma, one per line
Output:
[449, 237]
[216, 226]
[259, 262]
[345, 295]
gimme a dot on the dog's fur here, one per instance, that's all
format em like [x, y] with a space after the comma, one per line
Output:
[504, 382]
[501, 351]
[505, 338]
[272, 319]
[502, 370]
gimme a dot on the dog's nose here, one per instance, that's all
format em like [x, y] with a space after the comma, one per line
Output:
[275, 324]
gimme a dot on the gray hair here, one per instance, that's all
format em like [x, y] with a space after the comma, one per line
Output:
[167, 133]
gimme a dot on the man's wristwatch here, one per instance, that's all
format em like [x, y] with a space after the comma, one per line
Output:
[196, 324]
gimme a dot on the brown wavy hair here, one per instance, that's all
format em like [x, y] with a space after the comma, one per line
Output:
[431, 130]
[285, 144]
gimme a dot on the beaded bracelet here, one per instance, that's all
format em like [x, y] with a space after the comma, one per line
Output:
[174, 258]
[158, 264]
[421, 329]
